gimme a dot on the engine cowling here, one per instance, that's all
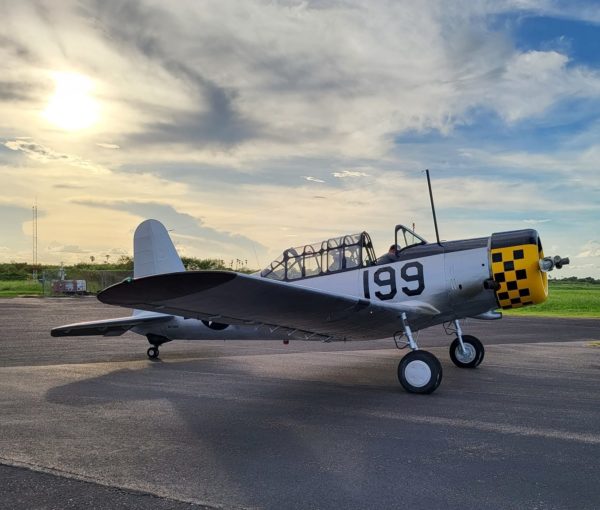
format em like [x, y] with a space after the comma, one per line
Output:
[515, 261]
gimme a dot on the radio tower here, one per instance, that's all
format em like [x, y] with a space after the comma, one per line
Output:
[35, 240]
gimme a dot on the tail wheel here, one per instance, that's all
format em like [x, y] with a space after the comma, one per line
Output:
[420, 372]
[152, 352]
[472, 355]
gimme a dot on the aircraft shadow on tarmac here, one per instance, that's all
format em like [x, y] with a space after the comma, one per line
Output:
[233, 432]
[264, 441]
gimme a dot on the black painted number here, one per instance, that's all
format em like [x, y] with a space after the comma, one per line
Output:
[385, 279]
[415, 276]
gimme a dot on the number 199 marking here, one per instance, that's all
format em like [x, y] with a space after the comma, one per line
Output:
[385, 280]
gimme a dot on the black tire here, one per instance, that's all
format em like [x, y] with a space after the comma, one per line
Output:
[420, 372]
[475, 352]
[152, 352]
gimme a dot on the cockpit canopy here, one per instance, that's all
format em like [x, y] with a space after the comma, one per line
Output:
[327, 257]
[335, 255]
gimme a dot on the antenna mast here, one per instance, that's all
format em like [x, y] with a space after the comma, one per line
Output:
[437, 235]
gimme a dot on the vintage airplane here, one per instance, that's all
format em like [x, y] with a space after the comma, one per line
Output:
[333, 290]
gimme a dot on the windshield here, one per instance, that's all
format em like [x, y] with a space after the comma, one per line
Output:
[406, 237]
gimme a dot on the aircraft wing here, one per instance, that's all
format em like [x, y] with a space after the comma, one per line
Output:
[109, 327]
[235, 298]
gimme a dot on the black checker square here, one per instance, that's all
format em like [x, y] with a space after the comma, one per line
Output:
[497, 257]
[521, 274]
[499, 277]
[515, 301]
[509, 265]
[518, 255]
[502, 296]
[523, 292]
[512, 285]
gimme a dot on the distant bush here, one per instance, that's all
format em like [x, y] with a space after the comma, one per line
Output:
[575, 279]
[16, 271]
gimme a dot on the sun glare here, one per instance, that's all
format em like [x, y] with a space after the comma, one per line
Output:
[72, 107]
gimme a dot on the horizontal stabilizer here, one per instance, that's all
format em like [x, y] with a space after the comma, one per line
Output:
[234, 298]
[108, 327]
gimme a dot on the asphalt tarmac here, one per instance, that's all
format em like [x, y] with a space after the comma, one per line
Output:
[90, 422]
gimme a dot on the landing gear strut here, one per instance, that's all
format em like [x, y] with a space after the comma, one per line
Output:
[466, 351]
[156, 341]
[419, 371]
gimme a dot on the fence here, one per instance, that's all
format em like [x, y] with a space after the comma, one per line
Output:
[96, 280]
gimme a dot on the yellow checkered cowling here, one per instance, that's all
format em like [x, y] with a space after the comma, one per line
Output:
[516, 270]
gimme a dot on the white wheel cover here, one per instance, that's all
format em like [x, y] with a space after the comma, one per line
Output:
[468, 355]
[417, 373]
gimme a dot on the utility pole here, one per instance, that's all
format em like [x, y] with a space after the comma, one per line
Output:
[35, 240]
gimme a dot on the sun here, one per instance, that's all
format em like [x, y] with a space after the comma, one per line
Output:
[72, 107]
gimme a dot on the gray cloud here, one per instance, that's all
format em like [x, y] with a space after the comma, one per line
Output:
[40, 152]
[15, 48]
[19, 91]
[140, 29]
[68, 186]
[183, 226]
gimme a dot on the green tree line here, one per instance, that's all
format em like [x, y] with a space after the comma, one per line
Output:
[24, 270]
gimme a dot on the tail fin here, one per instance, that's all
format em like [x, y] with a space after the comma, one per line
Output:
[153, 251]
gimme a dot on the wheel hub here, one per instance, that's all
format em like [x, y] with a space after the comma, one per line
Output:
[467, 354]
[417, 373]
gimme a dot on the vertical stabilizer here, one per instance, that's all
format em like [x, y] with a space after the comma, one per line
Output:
[153, 250]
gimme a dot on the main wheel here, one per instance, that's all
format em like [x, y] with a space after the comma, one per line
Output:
[420, 372]
[152, 352]
[472, 355]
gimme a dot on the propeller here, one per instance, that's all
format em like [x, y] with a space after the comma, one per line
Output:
[549, 263]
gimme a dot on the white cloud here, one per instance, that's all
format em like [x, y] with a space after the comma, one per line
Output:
[535, 221]
[349, 173]
[108, 145]
[312, 179]
[590, 249]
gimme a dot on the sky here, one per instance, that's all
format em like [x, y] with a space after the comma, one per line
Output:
[249, 127]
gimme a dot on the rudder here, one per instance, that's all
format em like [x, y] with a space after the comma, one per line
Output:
[153, 251]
